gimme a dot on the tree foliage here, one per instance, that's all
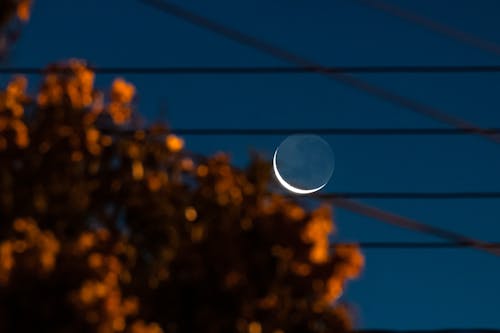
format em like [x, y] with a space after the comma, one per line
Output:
[107, 228]
[12, 13]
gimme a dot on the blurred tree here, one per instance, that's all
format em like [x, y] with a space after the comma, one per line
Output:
[105, 228]
[12, 12]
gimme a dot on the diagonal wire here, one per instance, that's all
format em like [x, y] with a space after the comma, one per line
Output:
[407, 223]
[346, 79]
[387, 217]
[433, 25]
[193, 70]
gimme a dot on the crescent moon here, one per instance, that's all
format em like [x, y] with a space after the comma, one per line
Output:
[288, 186]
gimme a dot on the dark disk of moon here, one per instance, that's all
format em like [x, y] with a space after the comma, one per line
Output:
[303, 163]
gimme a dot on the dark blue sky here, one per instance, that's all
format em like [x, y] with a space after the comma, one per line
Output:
[414, 289]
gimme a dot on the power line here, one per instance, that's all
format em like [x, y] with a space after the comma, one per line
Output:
[256, 70]
[414, 245]
[333, 131]
[410, 195]
[282, 54]
[444, 330]
[318, 131]
[435, 26]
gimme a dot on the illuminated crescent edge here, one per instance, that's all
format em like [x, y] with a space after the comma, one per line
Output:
[288, 186]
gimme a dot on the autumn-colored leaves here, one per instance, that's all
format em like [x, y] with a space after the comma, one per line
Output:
[100, 298]
[12, 13]
[20, 9]
[122, 94]
[24, 9]
[13, 129]
[75, 82]
[140, 236]
[36, 249]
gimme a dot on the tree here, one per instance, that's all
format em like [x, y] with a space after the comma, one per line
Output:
[110, 228]
[12, 12]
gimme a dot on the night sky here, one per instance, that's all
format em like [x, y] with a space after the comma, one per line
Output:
[400, 289]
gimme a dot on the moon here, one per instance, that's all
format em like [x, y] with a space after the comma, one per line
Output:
[288, 186]
[303, 164]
